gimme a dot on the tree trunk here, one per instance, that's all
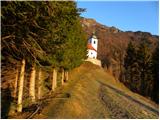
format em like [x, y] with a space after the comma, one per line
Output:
[66, 76]
[16, 83]
[54, 79]
[20, 90]
[39, 83]
[32, 84]
[62, 78]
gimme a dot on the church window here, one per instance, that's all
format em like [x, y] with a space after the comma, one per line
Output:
[94, 42]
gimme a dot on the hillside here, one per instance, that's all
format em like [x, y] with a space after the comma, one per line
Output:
[90, 95]
[113, 43]
[112, 47]
[43, 73]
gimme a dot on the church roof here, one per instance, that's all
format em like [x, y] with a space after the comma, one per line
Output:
[89, 46]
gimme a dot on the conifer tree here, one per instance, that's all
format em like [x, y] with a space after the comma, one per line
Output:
[130, 64]
[138, 65]
[155, 72]
[144, 64]
[25, 28]
[20, 88]
[42, 33]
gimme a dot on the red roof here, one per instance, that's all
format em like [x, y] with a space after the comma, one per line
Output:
[89, 46]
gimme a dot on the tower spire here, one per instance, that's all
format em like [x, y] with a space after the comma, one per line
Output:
[94, 34]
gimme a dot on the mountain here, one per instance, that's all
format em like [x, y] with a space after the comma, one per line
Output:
[112, 45]
[113, 42]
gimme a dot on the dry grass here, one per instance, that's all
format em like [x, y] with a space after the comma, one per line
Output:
[79, 98]
[83, 101]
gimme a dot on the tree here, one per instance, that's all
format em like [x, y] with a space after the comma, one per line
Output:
[71, 39]
[42, 34]
[155, 72]
[144, 64]
[130, 65]
[39, 83]
[18, 35]
[20, 90]
[16, 82]
[142, 69]
[32, 84]
[54, 79]
[25, 27]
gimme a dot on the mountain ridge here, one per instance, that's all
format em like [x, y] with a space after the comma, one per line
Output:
[112, 39]
[112, 47]
[92, 20]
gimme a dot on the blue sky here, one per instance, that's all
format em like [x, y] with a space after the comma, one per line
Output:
[126, 15]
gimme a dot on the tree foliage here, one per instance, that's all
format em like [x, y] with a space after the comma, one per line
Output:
[20, 31]
[155, 72]
[47, 34]
[43, 32]
[141, 69]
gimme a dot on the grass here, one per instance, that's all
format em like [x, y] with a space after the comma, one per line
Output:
[79, 97]
[82, 89]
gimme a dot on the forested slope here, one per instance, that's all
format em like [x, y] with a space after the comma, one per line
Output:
[136, 68]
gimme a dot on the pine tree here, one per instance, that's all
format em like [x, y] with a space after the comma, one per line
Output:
[144, 64]
[72, 49]
[130, 65]
[54, 79]
[42, 34]
[32, 84]
[39, 83]
[20, 88]
[155, 72]
[25, 29]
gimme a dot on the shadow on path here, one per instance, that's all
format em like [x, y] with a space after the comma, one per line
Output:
[129, 97]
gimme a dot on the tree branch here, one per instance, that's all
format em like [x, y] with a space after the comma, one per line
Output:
[9, 36]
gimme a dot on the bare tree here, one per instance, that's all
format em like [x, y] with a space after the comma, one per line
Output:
[66, 75]
[62, 78]
[54, 79]
[16, 82]
[39, 83]
[32, 84]
[21, 82]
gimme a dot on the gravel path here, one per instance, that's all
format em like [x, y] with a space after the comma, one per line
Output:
[121, 105]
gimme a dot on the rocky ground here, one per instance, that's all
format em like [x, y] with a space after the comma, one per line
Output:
[121, 105]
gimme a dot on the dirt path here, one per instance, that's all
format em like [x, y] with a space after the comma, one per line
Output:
[121, 105]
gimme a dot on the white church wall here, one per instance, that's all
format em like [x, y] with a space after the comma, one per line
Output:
[92, 54]
[93, 42]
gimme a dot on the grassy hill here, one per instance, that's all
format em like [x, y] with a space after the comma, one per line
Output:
[93, 93]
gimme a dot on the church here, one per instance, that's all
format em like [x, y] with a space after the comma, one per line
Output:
[92, 46]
